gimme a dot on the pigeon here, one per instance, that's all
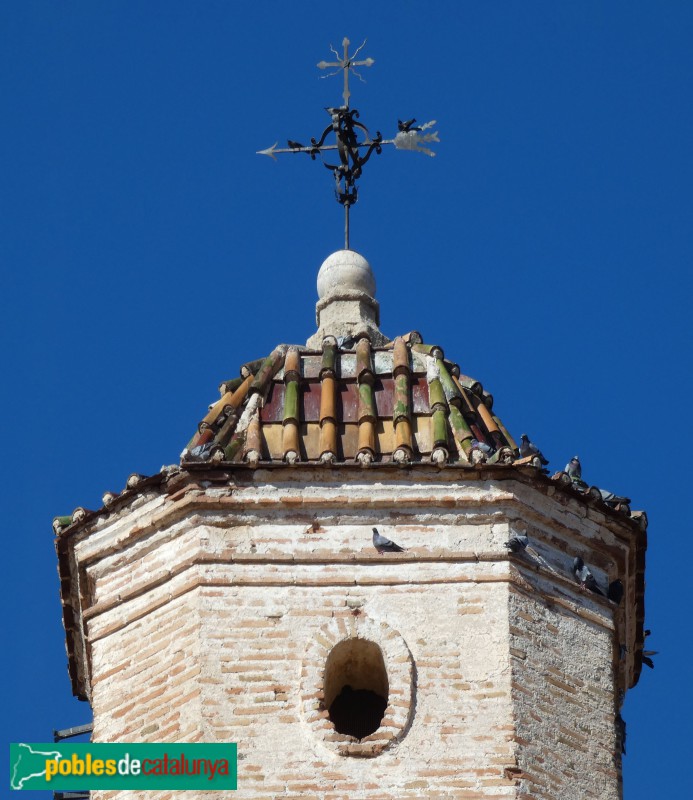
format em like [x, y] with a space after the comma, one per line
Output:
[407, 126]
[584, 577]
[294, 145]
[573, 469]
[200, 453]
[486, 449]
[345, 342]
[647, 657]
[517, 543]
[612, 499]
[615, 592]
[620, 722]
[528, 449]
[383, 545]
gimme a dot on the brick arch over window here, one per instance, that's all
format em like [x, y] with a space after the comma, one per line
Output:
[360, 634]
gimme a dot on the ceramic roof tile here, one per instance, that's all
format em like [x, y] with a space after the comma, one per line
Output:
[403, 403]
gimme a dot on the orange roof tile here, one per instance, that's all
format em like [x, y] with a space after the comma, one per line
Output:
[401, 403]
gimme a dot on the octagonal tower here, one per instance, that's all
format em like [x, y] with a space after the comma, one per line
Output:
[238, 596]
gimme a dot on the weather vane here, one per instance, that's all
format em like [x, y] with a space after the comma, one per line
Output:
[354, 152]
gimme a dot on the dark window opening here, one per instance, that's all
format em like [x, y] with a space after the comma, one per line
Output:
[356, 687]
[357, 712]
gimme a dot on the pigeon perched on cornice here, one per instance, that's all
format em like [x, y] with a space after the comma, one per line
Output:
[384, 545]
[528, 449]
[584, 577]
[612, 499]
[573, 469]
[517, 543]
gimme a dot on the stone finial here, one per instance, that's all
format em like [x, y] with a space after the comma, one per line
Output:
[346, 306]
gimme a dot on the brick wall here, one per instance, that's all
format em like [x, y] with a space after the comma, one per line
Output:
[563, 700]
[214, 624]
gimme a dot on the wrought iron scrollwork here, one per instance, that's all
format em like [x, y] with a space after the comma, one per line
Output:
[353, 154]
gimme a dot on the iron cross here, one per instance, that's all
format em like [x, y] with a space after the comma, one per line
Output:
[347, 63]
[354, 144]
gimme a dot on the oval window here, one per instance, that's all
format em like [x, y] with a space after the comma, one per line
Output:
[356, 687]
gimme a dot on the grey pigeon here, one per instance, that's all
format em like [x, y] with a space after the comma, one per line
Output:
[517, 543]
[294, 145]
[528, 449]
[345, 342]
[383, 545]
[200, 453]
[612, 499]
[573, 469]
[615, 592]
[477, 445]
[584, 577]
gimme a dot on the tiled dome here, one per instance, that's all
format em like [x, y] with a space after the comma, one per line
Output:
[350, 402]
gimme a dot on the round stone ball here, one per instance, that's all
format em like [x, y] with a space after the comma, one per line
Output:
[345, 269]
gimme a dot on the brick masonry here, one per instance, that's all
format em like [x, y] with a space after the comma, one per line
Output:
[208, 613]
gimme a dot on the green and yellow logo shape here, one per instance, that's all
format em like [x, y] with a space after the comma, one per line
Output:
[83, 767]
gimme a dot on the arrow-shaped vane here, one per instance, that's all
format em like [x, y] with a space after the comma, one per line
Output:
[346, 129]
[404, 140]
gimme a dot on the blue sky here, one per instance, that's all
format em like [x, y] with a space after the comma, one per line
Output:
[147, 252]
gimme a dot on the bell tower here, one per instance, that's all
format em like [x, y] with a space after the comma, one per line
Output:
[242, 595]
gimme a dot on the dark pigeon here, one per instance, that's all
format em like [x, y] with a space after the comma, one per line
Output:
[294, 145]
[620, 722]
[647, 657]
[383, 545]
[615, 592]
[528, 449]
[584, 577]
[517, 543]
[407, 126]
